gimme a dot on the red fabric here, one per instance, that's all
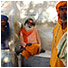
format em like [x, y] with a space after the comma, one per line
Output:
[25, 35]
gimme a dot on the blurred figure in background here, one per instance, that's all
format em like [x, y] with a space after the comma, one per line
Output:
[58, 32]
[5, 55]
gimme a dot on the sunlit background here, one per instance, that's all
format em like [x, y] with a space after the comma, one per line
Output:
[43, 12]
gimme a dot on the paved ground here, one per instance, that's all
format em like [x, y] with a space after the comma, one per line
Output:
[41, 60]
[36, 61]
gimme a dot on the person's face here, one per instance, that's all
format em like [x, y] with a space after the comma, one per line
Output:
[63, 13]
[29, 25]
[3, 22]
[30, 22]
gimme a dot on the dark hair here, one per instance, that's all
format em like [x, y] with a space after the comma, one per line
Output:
[22, 26]
[8, 28]
[6, 19]
[28, 20]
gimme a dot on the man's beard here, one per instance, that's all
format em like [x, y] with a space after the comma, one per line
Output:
[64, 18]
[28, 27]
[64, 21]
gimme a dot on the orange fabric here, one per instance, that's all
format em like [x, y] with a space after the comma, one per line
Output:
[25, 34]
[31, 50]
[32, 37]
[25, 54]
[55, 61]
[61, 3]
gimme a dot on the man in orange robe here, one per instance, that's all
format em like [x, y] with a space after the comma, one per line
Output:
[30, 39]
[58, 32]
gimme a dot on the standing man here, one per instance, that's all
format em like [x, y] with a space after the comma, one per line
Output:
[5, 54]
[58, 32]
[4, 32]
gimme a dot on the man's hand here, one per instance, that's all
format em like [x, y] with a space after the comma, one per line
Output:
[29, 44]
[39, 50]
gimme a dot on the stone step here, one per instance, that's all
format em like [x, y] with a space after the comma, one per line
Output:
[41, 60]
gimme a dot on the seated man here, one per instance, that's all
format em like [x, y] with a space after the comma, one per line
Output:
[29, 39]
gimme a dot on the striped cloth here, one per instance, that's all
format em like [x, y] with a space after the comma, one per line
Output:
[62, 49]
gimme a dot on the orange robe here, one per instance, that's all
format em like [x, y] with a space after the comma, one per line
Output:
[30, 37]
[57, 34]
[31, 50]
